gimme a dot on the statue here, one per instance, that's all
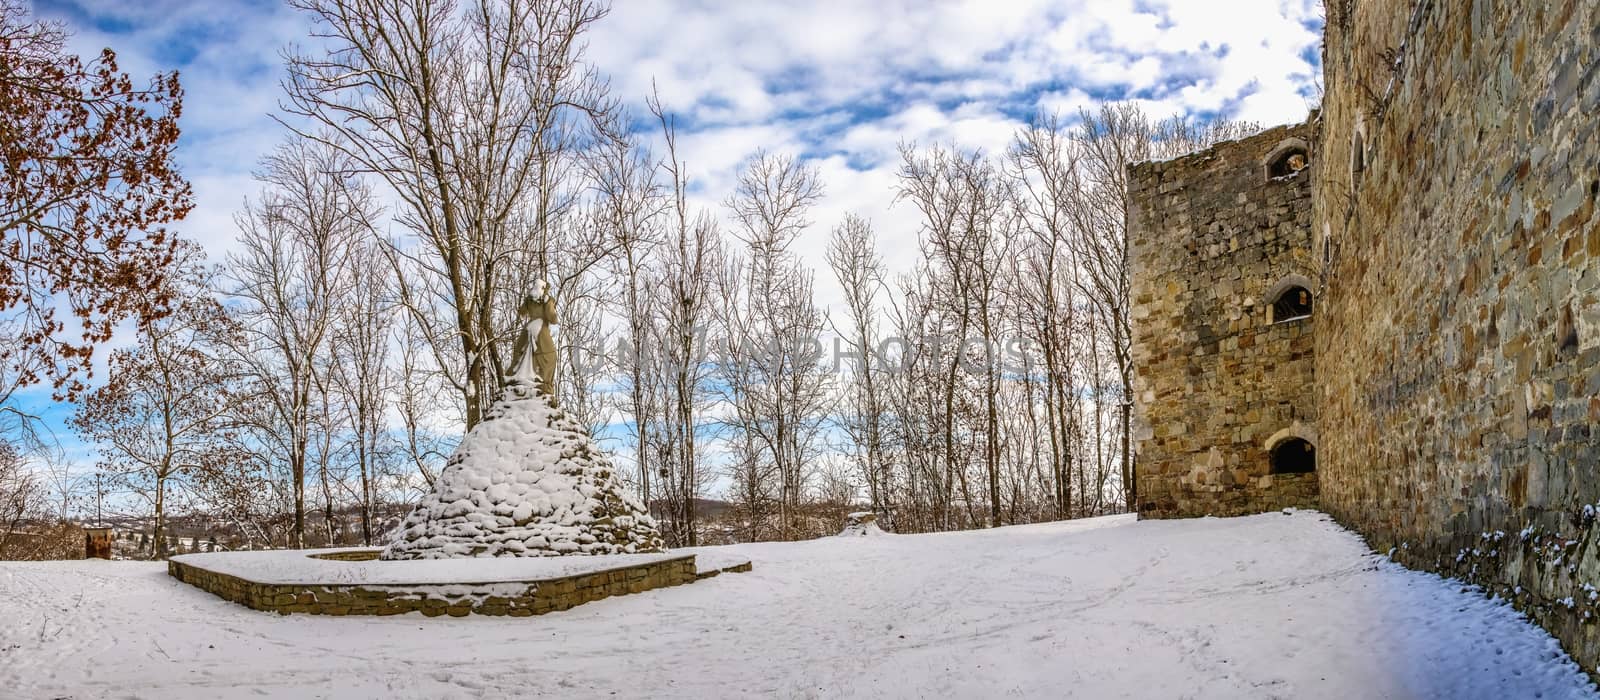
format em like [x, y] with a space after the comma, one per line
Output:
[534, 351]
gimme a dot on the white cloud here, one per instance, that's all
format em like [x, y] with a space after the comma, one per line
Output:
[963, 72]
[819, 78]
[841, 82]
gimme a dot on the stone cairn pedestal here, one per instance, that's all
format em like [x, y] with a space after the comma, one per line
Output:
[528, 481]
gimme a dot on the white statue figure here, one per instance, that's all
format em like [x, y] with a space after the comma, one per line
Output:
[534, 350]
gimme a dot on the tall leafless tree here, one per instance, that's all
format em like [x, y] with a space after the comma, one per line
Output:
[631, 204]
[778, 388]
[363, 377]
[476, 118]
[294, 268]
[967, 222]
[856, 264]
[682, 289]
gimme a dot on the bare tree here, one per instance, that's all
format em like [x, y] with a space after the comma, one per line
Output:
[680, 297]
[22, 498]
[293, 271]
[856, 264]
[475, 119]
[66, 486]
[423, 427]
[161, 420]
[1107, 141]
[630, 204]
[1044, 164]
[967, 219]
[773, 376]
[914, 391]
[362, 376]
[581, 340]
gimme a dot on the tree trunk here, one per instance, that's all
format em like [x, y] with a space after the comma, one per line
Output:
[158, 545]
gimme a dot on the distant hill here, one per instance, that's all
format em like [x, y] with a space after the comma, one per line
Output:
[703, 508]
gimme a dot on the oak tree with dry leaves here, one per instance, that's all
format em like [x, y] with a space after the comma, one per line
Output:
[87, 186]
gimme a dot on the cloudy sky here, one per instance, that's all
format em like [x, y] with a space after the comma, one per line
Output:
[837, 82]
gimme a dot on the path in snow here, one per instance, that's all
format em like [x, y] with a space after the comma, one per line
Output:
[1259, 607]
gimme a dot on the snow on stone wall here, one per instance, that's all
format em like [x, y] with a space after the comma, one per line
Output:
[535, 596]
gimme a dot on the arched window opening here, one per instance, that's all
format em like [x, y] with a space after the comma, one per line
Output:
[1292, 304]
[1288, 163]
[1287, 159]
[1294, 456]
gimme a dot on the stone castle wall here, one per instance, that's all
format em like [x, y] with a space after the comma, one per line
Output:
[1212, 237]
[1458, 341]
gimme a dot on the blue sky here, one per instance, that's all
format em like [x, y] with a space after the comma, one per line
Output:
[839, 82]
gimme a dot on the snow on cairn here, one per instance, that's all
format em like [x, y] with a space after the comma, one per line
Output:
[862, 524]
[528, 481]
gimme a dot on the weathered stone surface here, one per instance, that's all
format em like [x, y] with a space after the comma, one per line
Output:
[1212, 237]
[1459, 345]
[1455, 243]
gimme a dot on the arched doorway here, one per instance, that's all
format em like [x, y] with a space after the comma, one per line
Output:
[1290, 299]
[1293, 456]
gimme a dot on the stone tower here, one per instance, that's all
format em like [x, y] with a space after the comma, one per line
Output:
[1223, 293]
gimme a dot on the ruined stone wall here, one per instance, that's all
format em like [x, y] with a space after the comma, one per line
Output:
[1458, 341]
[1216, 379]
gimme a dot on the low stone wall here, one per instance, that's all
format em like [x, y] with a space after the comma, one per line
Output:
[516, 599]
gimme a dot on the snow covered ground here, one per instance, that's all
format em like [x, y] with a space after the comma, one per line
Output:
[1268, 606]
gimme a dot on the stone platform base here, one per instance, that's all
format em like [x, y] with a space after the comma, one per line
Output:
[517, 589]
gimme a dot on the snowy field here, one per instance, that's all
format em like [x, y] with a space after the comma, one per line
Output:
[1269, 606]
